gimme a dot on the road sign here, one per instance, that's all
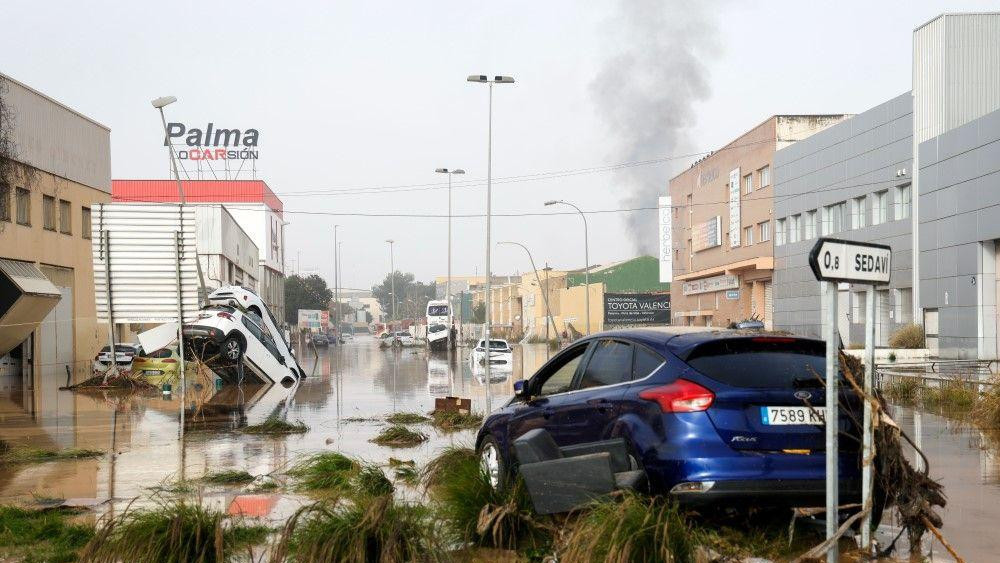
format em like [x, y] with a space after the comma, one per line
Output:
[838, 260]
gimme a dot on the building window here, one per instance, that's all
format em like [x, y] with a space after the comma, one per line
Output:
[765, 230]
[4, 202]
[49, 212]
[65, 217]
[779, 232]
[23, 202]
[833, 218]
[794, 224]
[879, 207]
[902, 203]
[764, 176]
[810, 226]
[748, 235]
[858, 212]
[902, 305]
[85, 223]
[748, 184]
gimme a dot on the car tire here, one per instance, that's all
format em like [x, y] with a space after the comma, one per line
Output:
[232, 349]
[492, 463]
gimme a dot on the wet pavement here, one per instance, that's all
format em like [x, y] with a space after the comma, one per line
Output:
[356, 381]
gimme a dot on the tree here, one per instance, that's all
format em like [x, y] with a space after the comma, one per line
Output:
[479, 313]
[305, 293]
[411, 296]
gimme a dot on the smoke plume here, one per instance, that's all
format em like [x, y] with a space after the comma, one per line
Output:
[646, 94]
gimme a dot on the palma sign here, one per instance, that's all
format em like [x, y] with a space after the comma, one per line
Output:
[213, 143]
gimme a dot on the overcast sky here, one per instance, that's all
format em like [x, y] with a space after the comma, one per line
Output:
[372, 94]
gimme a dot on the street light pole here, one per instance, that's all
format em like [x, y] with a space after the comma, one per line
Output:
[545, 297]
[340, 284]
[586, 255]
[483, 79]
[392, 288]
[336, 275]
[450, 173]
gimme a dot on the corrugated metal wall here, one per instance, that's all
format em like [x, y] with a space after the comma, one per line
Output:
[58, 140]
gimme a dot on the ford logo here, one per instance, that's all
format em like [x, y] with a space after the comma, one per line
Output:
[803, 395]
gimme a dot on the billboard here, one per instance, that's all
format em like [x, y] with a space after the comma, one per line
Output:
[142, 250]
[666, 240]
[708, 285]
[707, 235]
[312, 319]
[734, 208]
[621, 309]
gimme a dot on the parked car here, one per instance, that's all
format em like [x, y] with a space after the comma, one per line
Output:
[346, 337]
[246, 299]
[226, 337]
[124, 356]
[158, 366]
[405, 338]
[500, 353]
[320, 339]
[709, 416]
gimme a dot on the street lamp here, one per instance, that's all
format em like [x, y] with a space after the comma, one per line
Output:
[336, 275]
[450, 173]
[544, 291]
[586, 255]
[160, 103]
[483, 79]
[340, 270]
[392, 287]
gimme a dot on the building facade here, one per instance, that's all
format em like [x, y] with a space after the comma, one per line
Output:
[61, 167]
[257, 210]
[226, 253]
[722, 225]
[851, 181]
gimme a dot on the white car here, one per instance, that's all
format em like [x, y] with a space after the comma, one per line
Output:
[226, 338]
[246, 299]
[500, 353]
[124, 354]
[405, 338]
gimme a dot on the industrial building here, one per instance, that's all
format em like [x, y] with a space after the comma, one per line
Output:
[60, 167]
[255, 208]
[721, 225]
[920, 172]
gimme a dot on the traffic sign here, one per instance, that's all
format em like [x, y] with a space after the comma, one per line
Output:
[836, 260]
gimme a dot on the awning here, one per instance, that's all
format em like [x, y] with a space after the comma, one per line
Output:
[26, 297]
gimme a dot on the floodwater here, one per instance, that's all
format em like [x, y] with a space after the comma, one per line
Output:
[146, 448]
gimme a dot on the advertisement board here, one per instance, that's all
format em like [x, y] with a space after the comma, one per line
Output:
[707, 235]
[734, 208]
[621, 309]
[312, 319]
[715, 283]
[666, 240]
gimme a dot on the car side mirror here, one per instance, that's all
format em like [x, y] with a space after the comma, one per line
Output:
[520, 388]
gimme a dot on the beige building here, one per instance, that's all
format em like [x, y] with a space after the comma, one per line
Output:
[60, 167]
[722, 225]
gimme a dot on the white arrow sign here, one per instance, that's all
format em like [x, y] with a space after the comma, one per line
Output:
[848, 261]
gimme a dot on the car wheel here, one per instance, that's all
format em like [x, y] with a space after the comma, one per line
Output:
[232, 349]
[491, 462]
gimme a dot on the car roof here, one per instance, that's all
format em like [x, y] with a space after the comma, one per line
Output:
[681, 340]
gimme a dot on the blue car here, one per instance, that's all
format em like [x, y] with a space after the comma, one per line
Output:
[710, 415]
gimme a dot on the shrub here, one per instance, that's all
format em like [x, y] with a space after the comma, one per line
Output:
[366, 529]
[908, 337]
[631, 528]
[40, 535]
[327, 471]
[986, 412]
[173, 532]
[902, 390]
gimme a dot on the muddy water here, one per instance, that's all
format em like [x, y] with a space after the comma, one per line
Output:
[354, 381]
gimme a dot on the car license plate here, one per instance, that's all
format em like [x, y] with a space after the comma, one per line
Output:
[154, 372]
[783, 416]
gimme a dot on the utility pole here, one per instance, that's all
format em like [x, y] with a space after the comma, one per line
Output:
[392, 289]
[336, 284]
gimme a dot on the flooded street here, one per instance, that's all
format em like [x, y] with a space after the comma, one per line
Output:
[344, 402]
[350, 390]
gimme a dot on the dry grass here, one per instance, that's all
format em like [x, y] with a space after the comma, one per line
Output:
[910, 336]
[27, 454]
[986, 412]
[399, 436]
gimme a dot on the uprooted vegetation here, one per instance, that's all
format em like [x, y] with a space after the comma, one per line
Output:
[274, 425]
[399, 437]
[27, 454]
[406, 418]
[174, 532]
[229, 477]
[124, 380]
[454, 420]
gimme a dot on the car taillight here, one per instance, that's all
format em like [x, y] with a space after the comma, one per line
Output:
[170, 361]
[225, 315]
[680, 396]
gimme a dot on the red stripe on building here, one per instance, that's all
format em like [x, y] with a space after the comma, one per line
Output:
[196, 191]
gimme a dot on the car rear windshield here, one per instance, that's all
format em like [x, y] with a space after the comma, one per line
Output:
[764, 362]
[437, 310]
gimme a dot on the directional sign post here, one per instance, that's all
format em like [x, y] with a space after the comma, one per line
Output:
[836, 261]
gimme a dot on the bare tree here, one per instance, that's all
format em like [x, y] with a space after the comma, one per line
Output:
[12, 170]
